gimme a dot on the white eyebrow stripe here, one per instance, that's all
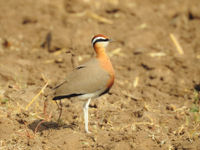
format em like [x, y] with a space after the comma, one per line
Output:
[97, 38]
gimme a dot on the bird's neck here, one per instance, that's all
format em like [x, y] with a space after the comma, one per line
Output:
[100, 52]
[105, 62]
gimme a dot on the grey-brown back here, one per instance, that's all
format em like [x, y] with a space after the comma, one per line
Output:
[85, 79]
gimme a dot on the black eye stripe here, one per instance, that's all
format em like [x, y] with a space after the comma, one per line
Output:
[100, 40]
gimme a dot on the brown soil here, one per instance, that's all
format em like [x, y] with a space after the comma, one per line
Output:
[154, 103]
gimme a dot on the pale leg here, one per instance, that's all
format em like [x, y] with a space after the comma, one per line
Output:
[85, 110]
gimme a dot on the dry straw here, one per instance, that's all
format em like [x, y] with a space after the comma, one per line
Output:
[36, 96]
[177, 44]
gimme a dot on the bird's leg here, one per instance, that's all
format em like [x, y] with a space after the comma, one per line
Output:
[60, 111]
[85, 110]
[60, 108]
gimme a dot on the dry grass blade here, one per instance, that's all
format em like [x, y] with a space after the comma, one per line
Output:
[142, 26]
[27, 132]
[38, 125]
[159, 54]
[99, 18]
[94, 16]
[63, 50]
[114, 2]
[49, 61]
[116, 51]
[36, 96]
[47, 119]
[135, 83]
[177, 44]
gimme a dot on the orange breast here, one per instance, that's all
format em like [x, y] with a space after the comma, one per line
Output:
[105, 63]
[107, 66]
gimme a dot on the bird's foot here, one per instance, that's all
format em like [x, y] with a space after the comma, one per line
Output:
[88, 132]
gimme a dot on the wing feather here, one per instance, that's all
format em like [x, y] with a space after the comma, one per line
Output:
[87, 78]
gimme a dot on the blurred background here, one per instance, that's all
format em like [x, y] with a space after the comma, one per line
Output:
[154, 103]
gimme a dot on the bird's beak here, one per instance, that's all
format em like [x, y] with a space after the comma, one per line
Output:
[110, 40]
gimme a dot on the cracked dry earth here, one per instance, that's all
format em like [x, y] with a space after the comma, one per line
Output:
[154, 103]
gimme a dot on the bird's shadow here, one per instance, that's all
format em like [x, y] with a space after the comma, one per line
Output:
[41, 125]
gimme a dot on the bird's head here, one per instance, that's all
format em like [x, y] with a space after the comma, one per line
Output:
[100, 40]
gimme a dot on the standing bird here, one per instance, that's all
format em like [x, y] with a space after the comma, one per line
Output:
[89, 80]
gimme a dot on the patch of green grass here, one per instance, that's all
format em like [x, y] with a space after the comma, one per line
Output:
[193, 119]
[194, 108]
[196, 96]
[3, 101]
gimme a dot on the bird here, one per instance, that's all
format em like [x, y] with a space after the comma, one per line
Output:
[89, 80]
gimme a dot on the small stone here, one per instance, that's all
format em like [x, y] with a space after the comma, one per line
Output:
[59, 60]
[170, 107]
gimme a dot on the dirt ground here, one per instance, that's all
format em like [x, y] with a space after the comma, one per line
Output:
[155, 101]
